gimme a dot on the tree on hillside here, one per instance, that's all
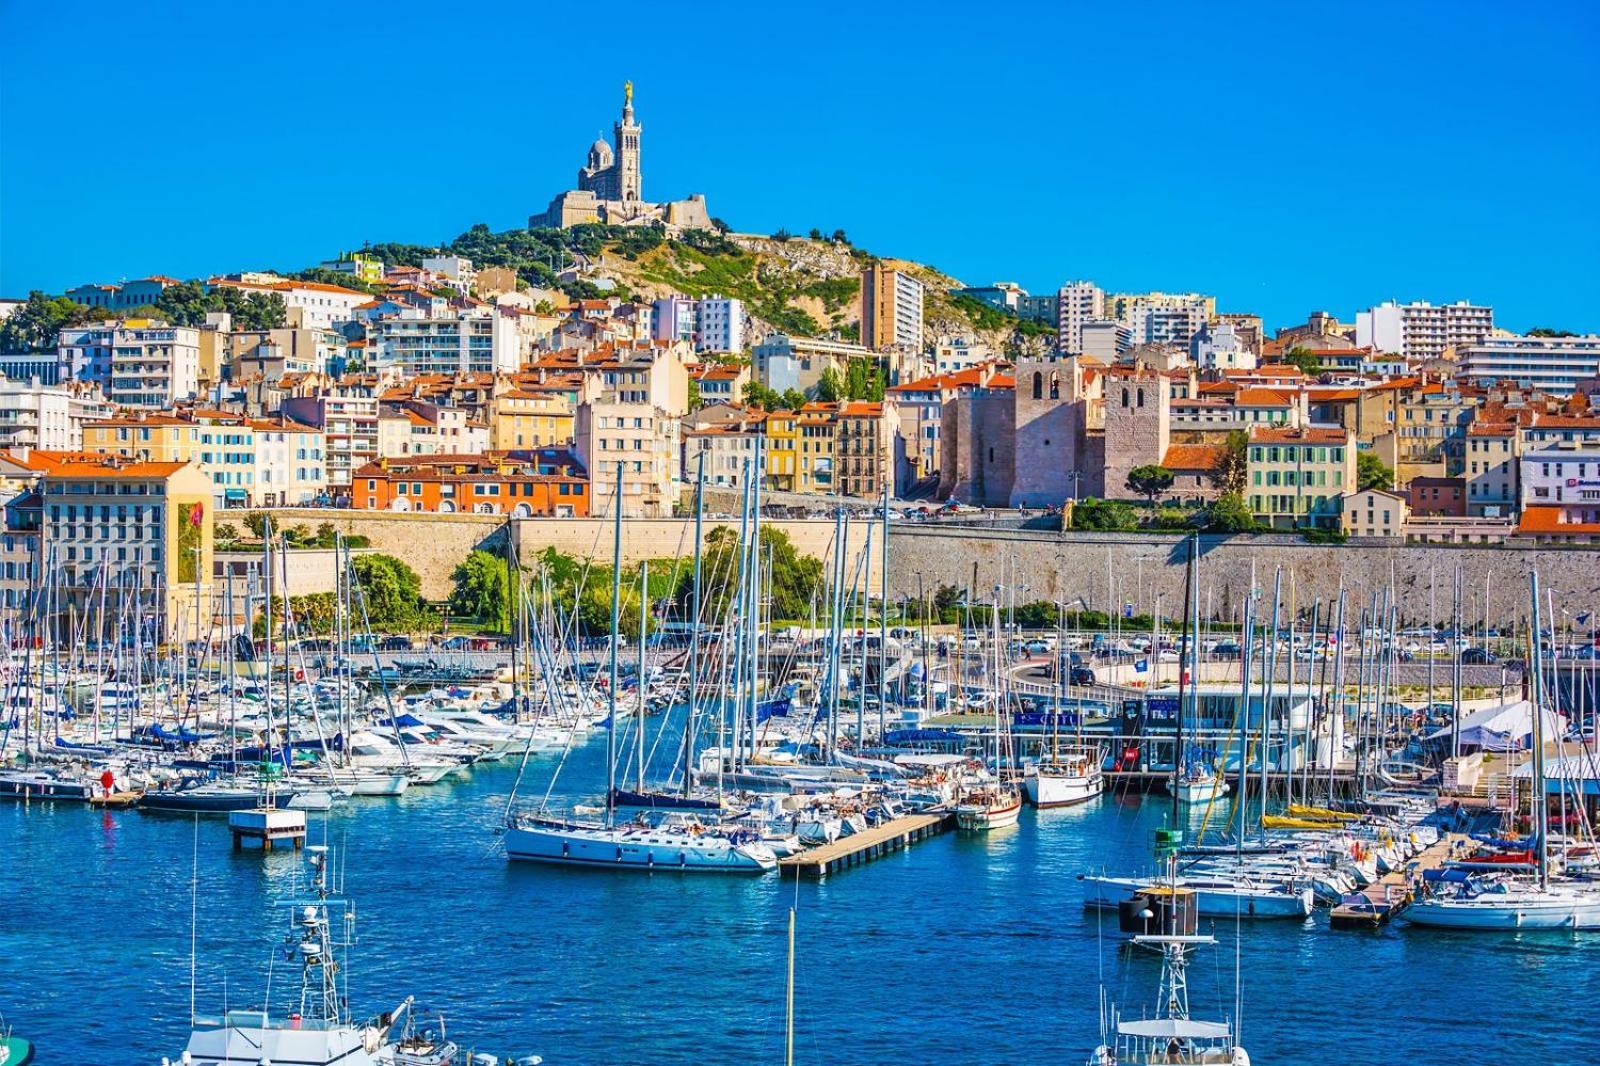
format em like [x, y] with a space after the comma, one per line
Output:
[1233, 465]
[863, 380]
[1150, 481]
[187, 304]
[1543, 331]
[34, 326]
[1371, 473]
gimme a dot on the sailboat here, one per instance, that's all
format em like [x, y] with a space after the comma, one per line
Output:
[1173, 1035]
[993, 803]
[664, 840]
[1071, 775]
[1463, 902]
[1193, 780]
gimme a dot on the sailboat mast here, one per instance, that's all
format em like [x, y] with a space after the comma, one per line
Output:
[1541, 809]
[694, 623]
[644, 627]
[1183, 689]
[616, 610]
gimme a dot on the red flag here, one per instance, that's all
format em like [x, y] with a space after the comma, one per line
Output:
[197, 514]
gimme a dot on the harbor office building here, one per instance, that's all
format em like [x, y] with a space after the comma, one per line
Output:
[1140, 733]
[127, 540]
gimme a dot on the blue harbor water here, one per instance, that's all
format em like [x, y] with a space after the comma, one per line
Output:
[959, 950]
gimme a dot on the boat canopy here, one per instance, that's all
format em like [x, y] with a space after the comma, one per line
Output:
[1175, 1028]
[931, 761]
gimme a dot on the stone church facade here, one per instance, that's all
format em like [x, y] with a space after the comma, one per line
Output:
[611, 186]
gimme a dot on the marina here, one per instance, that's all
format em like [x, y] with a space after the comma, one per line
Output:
[828, 767]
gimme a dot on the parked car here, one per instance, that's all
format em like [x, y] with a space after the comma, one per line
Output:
[1479, 657]
[1082, 675]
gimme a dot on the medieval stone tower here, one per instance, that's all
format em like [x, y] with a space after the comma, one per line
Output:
[1138, 407]
[1051, 417]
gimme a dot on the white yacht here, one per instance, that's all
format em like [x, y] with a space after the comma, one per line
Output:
[663, 841]
[1068, 777]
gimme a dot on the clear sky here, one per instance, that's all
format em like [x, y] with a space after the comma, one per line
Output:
[1284, 156]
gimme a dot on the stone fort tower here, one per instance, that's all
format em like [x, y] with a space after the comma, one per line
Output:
[1138, 409]
[618, 175]
[1051, 459]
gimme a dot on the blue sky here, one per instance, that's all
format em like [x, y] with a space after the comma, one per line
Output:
[1285, 157]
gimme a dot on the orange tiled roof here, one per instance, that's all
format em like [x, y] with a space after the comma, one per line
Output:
[1192, 456]
[1548, 520]
[1252, 396]
[1308, 435]
[111, 469]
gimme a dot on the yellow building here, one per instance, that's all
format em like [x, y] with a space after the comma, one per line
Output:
[1297, 476]
[783, 450]
[525, 418]
[149, 438]
[817, 425]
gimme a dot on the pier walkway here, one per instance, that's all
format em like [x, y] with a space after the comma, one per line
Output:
[1392, 893]
[858, 848]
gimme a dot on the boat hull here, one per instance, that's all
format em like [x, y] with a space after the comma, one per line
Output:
[1062, 790]
[1571, 912]
[643, 849]
[1213, 900]
[982, 818]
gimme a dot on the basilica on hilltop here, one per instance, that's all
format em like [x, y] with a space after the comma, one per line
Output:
[611, 186]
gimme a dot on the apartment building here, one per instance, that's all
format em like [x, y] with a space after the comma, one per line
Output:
[35, 415]
[725, 453]
[800, 448]
[521, 417]
[476, 341]
[719, 325]
[1421, 330]
[1554, 365]
[891, 309]
[291, 468]
[641, 440]
[783, 362]
[1492, 469]
[124, 296]
[468, 484]
[1078, 303]
[1374, 513]
[348, 419]
[142, 526]
[865, 448]
[136, 362]
[1298, 475]
[416, 427]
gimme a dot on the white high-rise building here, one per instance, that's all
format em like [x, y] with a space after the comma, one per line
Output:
[1551, 364]
[1077, 303]
[148, 364]
[719, 325]
[465, 342]
[1421, 330]
[34, 415]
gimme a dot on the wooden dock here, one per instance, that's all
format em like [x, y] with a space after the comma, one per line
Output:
[1393, 892]
[115, 799]
[858, 848]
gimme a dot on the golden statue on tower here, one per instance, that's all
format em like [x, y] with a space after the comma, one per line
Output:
[627, 93]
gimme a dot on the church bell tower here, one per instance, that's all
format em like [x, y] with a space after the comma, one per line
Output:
[630, 180]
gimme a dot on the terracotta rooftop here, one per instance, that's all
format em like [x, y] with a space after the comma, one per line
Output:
[1186, 457]
[1537, 520]
[1304, 435]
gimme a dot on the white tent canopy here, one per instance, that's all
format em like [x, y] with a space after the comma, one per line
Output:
[1513, 720]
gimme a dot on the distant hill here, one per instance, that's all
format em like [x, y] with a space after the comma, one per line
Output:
[801, 285]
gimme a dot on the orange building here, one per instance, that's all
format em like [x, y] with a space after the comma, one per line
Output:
[468, 484]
